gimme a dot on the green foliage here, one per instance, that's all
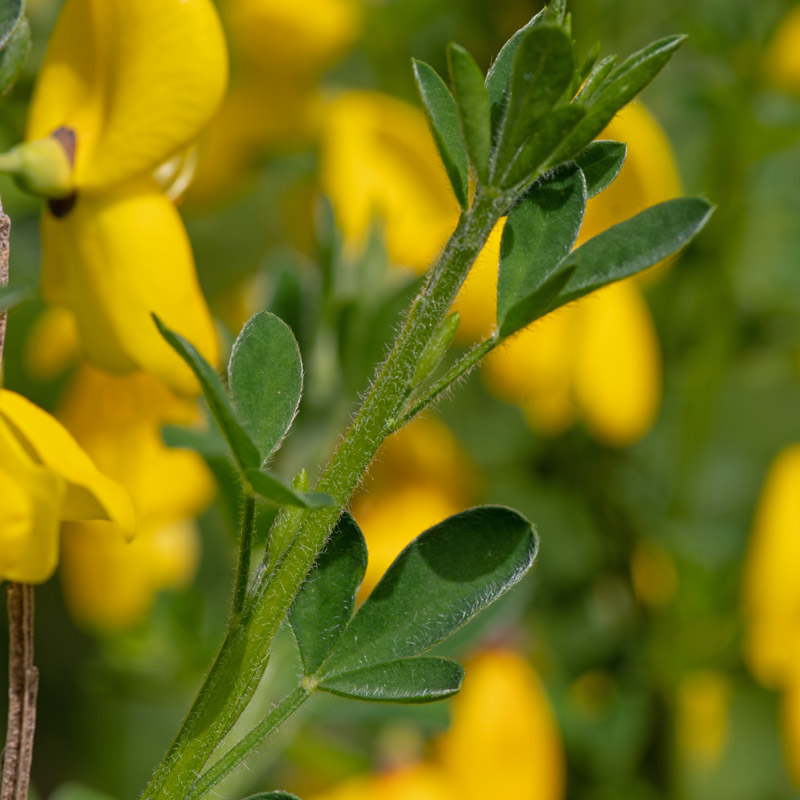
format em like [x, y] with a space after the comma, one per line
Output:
[265, 399]
[423, 679]
[442, 113]
[472, 100]
[439, 582]
[245, 453]
[539, 233]
[542, 72]
[265, 374]
[12, 54]
[437, 347]
[600, 163]
[11, 12]
[621, 85]
[634, 245]
[325, 604]
[273, 796]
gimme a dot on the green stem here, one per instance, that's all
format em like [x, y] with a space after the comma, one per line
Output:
[228, 762]
[458, 370]
[242, 659]
[245, 551]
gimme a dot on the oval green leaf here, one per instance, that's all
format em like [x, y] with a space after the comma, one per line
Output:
[265, 374]
[13, 53]
[472, 100]
[244, 451]
[634, 245]
[437, 584]
[600, 164]
[424, 679]
[539, 233]
[10, 15]
[326, 600]
[442, 113]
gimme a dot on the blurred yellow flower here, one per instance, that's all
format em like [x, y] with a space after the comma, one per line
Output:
[420, 477]
[118, 419]
[274, 100]
[503, 742]
[123, 88]
[47, 478]
[378, 161]
[771, 594]
[702, 717]
[782, 57]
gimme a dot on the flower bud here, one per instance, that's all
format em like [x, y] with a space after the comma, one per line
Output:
[43, 166]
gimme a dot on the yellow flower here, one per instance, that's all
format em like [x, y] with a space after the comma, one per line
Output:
[378, 161]
[502, 742]
[283, 49]
[702, 717]
[118, 420]
[125, 87]
[46, 478]
[419, 479]
[782, 58]
[771, 594]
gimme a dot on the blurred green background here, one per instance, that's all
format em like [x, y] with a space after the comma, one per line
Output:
[616, 665]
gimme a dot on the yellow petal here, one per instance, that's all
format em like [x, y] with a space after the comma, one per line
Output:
[53, 344]
[503, 741]
[414, 782]
[771, 590]
[782, 59]
[534, 370]
[378, 161]
[136, 81]
[115, 259]
[117, 419]
[292, 38]
[702, 716]
[617, 380]
[90, 494]
[30, 512]
[112, 584]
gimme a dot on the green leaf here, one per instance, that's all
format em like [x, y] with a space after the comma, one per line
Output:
[498, 79]
[326, 600]
[472, 100]
[437, 584]
[539, 232]
[244, 451]
[11, 296]
[598, 74]
[549, 134]
[634, 245]
[273, 796]
[600, 163]
[12, 55]
[11, 12]
[271, 488]
[408, 680]
[623, 83]
[265, 375]
[442, 113]
[543, 69]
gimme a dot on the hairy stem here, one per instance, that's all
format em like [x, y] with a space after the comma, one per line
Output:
[241, 661]
[228, 762]
[245, 551]
[461, 368]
